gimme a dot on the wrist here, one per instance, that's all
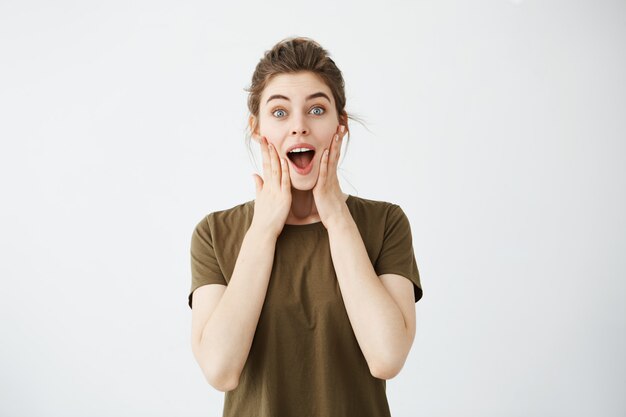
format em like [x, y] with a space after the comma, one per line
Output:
[339, 221]
[260, 233]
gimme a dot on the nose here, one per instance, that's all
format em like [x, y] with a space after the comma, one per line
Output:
[299, 131]
[299, 126]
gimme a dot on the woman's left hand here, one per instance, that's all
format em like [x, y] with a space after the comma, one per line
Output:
[329, 199]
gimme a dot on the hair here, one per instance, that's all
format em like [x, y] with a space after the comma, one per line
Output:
[293, 55]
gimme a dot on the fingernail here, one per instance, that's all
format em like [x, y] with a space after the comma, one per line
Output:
[343, 129]
[336, 138]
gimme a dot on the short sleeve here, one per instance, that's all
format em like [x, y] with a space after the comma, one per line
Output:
[396, 255]
[205, 268]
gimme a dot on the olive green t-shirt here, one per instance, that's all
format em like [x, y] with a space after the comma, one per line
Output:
[305, 359]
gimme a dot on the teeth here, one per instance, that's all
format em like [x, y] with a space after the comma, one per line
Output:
[300, 150]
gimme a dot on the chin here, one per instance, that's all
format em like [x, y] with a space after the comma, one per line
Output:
[302, 184]
[302, 188]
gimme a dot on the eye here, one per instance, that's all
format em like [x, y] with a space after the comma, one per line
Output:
[276, 111]
[318, 108]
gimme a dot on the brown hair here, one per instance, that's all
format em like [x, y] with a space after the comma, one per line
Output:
[292, 55]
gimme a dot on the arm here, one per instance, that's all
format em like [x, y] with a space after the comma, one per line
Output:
[221, 342]
[384, 328]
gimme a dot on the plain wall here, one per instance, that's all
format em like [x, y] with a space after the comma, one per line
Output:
[498, 127]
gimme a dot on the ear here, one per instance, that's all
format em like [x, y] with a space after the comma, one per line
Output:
[254, 130]
[343, 120]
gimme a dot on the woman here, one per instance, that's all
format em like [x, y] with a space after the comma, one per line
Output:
[302, 299]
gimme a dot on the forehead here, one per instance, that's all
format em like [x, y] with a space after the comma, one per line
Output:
[295, 86]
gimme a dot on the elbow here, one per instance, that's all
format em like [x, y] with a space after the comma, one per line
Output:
[390, 364]
[224, 385]
[218, 378]
[221, 382]
[385, 372]
[387, 369]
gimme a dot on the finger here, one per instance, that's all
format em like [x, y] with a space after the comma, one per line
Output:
[258, 183]
[323, 168]
[266, 158]
[285, 180]
[275, 164]
[336, 151]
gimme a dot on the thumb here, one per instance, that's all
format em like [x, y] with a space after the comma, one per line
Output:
[258, 182]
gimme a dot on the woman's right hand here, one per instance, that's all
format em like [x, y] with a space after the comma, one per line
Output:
[273, 193]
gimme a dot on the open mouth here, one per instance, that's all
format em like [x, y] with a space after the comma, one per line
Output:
[301, 158]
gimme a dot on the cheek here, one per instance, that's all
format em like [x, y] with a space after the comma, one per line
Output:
[330, 137]
[273, 136]
[267, 126]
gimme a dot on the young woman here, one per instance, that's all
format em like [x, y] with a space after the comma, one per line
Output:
[302, 299]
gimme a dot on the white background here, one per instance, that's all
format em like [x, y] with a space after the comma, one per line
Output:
[498, 127]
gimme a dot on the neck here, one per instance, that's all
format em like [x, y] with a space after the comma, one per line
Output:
[303, 209]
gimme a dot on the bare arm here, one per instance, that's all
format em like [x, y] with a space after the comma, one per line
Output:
[383, 333]
[221, 338]
[223, 334]
[380, 309]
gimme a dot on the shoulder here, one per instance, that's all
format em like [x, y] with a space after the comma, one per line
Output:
[232, 217]
[372, 208]
[376, 219]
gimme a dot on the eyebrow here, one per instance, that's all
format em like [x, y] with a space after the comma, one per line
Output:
[312, 96]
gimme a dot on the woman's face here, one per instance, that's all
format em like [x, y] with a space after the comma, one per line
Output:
[298, 110]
